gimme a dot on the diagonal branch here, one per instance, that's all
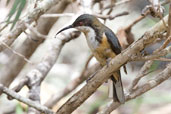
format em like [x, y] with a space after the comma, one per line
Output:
[101, 76]
[14, 95]
[161, 77]
[10, 71]
[33, 15]
[71, 86]
[34, 78]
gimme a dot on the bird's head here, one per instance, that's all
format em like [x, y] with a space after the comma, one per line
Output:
[84, 23]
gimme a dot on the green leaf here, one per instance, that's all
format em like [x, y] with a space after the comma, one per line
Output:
[19, 109]
[16, 10]
[20, 9]
[13, 9]
[154, 66]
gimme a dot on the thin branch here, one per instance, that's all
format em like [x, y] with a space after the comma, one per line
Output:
[146, 66]
[163, 59]
[161, 77]
[135, 21]
[33, 15]
[72, 85]
[156, 9]
[14, 95]
[28, 47]
[169, 22]
[115, 4]
[33, 30]
[16, 53]
[111, 17]
[153, 56]
[58, 15]
[141, 73]
[34, 78]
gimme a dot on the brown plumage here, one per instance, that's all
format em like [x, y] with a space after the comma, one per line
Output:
[104, 45]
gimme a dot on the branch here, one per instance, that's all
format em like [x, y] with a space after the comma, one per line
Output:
[10, 71]
[161, 77]
[169, 22]
[115, 4]
[101, 76]
[33, 30]
[33, 15]
[34, 78]
[111, 17]
[71, 86]
[153, 56]
[155, 9]
[14, 95]
[16, 53]
[58, 15]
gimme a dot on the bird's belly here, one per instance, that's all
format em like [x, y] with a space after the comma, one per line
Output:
[92, 43]
[103, 55]
[101, 51]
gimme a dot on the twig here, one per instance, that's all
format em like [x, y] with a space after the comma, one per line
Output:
[155, 56]
[28, 47]
[165, 2]
[111, 17]
[41, 8]
[141, 73]
[135, 22]
[163, 59]
[35, 31]
[34, 78]
[16, 53]
[71, 86]
[58, 15]
[13, 94]
[146, 66]
[115, 4]
[169, 22]
[102, 75]
[155, 9]
[161, 77]
[6, 24]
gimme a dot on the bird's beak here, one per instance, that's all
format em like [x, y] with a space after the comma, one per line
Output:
[68, 27]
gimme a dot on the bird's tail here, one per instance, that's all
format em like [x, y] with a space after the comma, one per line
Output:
[116, 89]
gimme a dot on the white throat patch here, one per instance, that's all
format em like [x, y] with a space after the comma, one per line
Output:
[90, 36]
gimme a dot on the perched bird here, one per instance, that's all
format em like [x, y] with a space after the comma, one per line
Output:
[104, 46]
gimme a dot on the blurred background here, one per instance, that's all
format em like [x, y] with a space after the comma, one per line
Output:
[75, 54]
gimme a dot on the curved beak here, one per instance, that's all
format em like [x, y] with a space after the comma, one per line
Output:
[68, 27]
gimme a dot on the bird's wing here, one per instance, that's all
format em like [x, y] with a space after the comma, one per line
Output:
[114, 42]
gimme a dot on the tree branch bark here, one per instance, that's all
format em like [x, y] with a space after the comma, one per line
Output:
[29, 102]
[32, 16]
[161, 77]
[10, 71]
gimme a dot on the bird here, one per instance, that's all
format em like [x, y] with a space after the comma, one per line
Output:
[104, 45]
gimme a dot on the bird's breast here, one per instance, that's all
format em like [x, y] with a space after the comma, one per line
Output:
[91, 39]
[101, 50]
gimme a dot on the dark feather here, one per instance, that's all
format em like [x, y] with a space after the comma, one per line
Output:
[118, 93]
[113, 40]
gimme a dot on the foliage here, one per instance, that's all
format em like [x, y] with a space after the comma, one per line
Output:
[16, 11]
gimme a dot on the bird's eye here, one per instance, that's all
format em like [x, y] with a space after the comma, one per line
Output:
[81, 23]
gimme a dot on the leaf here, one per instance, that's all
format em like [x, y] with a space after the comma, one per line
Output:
[13, 10]
[154, 66]
[16, 10]
[20, 9]
[19, 109]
